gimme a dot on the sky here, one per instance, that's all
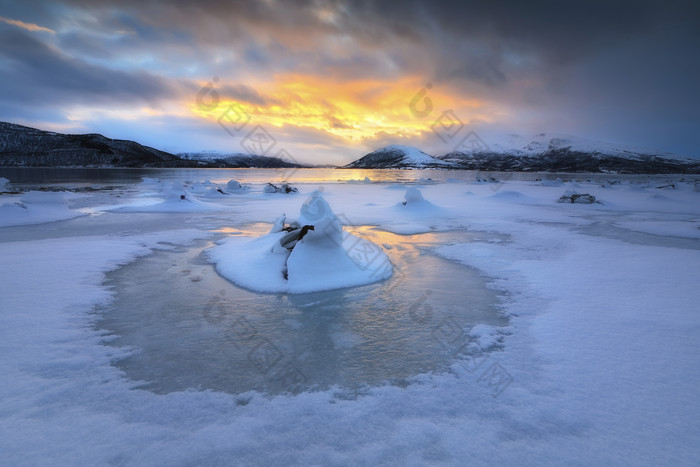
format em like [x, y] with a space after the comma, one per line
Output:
[326, 82]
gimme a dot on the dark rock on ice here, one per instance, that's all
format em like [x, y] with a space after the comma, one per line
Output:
[285, 188]
[577, 198]
[290, 240]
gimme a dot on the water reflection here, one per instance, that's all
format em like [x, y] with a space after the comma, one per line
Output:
[193, 329]
[26, 178]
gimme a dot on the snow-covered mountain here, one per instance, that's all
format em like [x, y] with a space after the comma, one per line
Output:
[22, 146]
[397, 157]
[555, 153]
[239, 160]
[541, 153]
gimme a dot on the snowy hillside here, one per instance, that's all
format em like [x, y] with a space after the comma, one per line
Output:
[541, 153]
[397, 156]
[29, 147]
[22, 146]
[239, 160]
[556, 153]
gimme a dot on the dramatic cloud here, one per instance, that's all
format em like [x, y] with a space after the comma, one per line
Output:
[343, 73]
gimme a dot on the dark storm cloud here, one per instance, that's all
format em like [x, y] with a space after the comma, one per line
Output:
[628, 65]
[486, 42]
[34, 73]
[241, 92]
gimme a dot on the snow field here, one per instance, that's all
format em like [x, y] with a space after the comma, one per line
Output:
[601, 348]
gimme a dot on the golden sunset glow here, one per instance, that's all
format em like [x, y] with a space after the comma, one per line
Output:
[351, 110]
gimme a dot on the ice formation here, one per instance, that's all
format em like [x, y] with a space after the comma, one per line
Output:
[309, 254]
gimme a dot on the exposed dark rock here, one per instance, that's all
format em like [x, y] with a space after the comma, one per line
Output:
[285, 188]
[294, 235]
[583, 198]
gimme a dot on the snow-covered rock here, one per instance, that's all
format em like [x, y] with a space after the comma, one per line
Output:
[311, 254]
[216, 192]
[285, 188]
[572, 197]
[413, 195]
[235, 186]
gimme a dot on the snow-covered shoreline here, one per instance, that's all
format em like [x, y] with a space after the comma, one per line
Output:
[601, 349]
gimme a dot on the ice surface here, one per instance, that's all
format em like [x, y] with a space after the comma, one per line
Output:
[598, 364]
[178, 198]
[350, 337]
[36, 207]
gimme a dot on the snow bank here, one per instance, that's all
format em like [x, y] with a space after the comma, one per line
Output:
[177, 199]
[36, 207]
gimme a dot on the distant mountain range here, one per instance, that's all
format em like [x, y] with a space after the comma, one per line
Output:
[541, 153]
[28, 147]
[22, 146]
[238, 160]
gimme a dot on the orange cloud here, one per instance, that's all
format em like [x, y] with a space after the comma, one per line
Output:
[27, 26]
[355, 110]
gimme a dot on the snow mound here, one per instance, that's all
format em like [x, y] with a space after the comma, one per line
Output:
[177, 199]
[235, 186]
[413, 195]
[310, 254]
[200, 187]
[216, 192]
[414, 202]
[363, 181]
[36, 207]
[4, 183]
[510, 196]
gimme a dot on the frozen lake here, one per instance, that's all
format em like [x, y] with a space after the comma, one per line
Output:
[513, 328]
[193, 329]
